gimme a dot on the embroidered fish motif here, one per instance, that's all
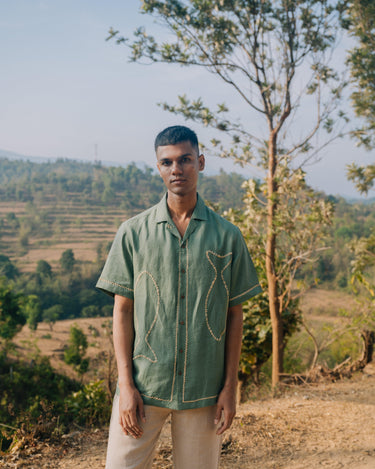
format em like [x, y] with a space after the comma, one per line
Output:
[218, 292]
[142, 347]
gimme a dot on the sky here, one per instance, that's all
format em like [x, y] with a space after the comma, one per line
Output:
[67, 92]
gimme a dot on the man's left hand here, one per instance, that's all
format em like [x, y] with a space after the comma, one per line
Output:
[226, 405]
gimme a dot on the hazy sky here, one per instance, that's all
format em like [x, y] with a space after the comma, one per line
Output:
[65, 91]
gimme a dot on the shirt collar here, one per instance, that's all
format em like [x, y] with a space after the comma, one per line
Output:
[162, 212]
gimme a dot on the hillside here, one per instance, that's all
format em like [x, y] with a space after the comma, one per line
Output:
[47, 208]
[321, 309]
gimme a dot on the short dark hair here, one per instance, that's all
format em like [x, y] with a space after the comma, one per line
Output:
[176, 134]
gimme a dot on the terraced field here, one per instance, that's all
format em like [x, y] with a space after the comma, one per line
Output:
[45, 230]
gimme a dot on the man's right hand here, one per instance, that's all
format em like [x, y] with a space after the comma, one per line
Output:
[131, 411]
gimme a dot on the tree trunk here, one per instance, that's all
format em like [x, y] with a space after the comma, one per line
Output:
[274, 307]
[368, 346]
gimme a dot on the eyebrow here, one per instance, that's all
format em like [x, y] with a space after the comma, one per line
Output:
[179, 157]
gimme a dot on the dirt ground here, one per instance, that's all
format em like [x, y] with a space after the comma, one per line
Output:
[330, 425]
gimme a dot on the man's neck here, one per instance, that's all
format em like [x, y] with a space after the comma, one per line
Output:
[181, 207]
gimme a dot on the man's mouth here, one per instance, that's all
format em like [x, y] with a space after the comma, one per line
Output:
[178, 180]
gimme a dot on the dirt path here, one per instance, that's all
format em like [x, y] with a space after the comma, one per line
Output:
[326, 425]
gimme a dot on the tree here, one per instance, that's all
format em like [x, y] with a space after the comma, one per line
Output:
[67, 261]
[7, 268]
[44, 268]
[11, 317]
[300, 209]
[32, 311]
[360, 22]
[52, 314]
[276, 56]
[76, 350]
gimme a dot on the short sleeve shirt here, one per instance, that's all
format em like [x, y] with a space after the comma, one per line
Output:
[182, 289]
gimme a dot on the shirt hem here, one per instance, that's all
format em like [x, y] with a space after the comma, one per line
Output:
[204, 402]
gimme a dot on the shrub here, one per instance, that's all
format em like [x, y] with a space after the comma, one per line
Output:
[90, 405]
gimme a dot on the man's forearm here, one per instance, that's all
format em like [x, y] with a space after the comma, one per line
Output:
[130, 401]
[233, 345]
[123, 338]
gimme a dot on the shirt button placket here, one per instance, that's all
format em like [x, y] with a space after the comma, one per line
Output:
[182, 313]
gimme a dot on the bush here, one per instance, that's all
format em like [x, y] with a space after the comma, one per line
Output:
[90, 405]
[76, 350]
[28, 389]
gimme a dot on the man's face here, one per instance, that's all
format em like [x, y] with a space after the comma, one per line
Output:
[179, 167]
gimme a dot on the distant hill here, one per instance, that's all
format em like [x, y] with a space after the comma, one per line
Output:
[47, 207]
[11, 155]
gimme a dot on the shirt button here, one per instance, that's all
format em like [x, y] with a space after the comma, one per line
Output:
[182, 297]
[181, 350]
[182, 323]
[183, 271]
[179, 373]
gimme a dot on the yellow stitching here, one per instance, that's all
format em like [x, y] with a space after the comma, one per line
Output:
[212, 284]
[187, 328]
[244, 293]
[153, 322]
[186, 320]
[114, 283]
[177, 314]
[202, 398]
[156, 398]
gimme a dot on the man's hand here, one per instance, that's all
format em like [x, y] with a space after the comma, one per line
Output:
[131, 411]
[226, 405]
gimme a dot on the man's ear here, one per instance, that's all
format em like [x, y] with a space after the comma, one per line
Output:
[202, 162]
[158, 166]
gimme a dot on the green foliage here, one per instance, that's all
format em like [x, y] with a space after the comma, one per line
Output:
[359, 20]
[36, 400]
[351, 222]
[11, 316]
[363, 263]
[68, 181]
[362, 176]
[346, 346]
[76, 350]
[24, 386]
[67, 261]
[31, 310]
[7, 268]
[44, 268]
[301, 225]
[91, 311]
[90, 405]
[52, 314]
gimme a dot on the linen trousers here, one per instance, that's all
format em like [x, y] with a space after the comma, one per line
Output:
[194, 440]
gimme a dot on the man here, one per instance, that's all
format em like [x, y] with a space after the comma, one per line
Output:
[179, 274]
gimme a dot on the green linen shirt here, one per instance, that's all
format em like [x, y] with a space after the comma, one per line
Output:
[182, 288]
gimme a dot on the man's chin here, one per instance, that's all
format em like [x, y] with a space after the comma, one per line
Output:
[181, 191]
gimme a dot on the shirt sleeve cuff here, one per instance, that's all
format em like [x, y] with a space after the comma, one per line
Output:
[246, 295]
[113, 288]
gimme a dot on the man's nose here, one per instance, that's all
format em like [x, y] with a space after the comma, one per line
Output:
[176, 167]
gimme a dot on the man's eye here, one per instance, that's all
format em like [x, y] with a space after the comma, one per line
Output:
[166, 163]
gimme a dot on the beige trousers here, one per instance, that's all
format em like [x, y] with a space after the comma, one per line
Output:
[194, 439]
